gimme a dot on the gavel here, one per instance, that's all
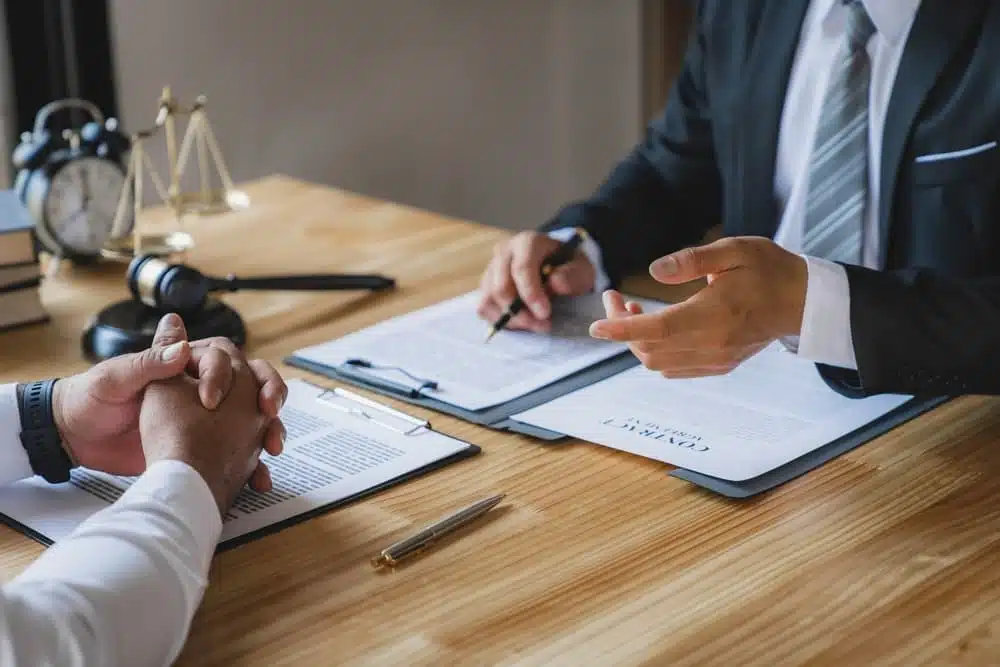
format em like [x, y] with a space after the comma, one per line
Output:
[180, 288]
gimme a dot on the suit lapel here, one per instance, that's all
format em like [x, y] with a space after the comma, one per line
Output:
[938, 30]
[770, 67]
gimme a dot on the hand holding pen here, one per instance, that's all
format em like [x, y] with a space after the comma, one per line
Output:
[525, 271]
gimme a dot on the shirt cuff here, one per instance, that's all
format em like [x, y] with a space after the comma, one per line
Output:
[592, 252]
[14, 463]
[181, 488]
[825, 337]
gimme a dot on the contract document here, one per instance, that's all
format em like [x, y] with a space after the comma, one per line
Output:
[444, 344]
[337, 450]
[769, 411]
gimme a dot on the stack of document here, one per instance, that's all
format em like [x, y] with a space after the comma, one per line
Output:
[771, 419]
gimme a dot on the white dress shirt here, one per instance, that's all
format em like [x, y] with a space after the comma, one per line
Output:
[123, 588]
[825, 336]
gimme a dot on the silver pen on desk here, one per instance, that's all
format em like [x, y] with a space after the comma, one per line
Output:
[392, 555]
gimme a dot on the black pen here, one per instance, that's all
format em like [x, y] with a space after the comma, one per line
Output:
[563, 254]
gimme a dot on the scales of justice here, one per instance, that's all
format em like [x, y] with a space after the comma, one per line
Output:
[198, 136]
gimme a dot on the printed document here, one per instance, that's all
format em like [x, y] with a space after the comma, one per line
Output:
[444, 343]
[769, 411]
[330, 455]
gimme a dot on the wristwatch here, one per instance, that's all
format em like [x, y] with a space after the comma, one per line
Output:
[39, 434]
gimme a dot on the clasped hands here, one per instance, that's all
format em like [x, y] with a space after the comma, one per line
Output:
[199, 402]
[755, 294]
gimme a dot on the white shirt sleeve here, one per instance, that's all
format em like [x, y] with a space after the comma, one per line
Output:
[123, 588]
[593, 253]
[14, 464]
[825, 337]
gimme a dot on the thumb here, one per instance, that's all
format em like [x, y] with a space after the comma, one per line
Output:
[121, 378]
[169, 330]
[697, 262]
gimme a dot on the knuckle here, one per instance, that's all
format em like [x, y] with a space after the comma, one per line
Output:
[690, 258]
[642, 347]
[654, 362]
[521, 265]
[139, 362]
[732, 242]
[526, 237]
[726, 340]
[741, 245]
[664, 328]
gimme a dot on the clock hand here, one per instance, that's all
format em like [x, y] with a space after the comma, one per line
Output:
[85, 186]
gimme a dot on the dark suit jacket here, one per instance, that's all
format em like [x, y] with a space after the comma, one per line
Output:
[929, 323]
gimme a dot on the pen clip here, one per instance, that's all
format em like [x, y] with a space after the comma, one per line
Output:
[359, 406]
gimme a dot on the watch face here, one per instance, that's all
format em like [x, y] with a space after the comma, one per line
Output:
[81, 204]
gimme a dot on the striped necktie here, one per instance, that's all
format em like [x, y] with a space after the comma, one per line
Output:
[838, 167]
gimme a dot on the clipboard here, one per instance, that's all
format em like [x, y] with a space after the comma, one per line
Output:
[497, 417]
[814, 459]
[400, 422]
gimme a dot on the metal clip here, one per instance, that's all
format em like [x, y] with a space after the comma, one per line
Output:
[363, 408]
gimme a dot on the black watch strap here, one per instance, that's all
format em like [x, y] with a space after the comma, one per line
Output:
[39, 434]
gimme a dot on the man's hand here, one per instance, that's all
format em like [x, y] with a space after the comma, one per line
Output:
[755, 295]
[516, 270]
[97, 412]
[223, 444]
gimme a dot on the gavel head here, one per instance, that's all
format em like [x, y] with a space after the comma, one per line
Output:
[169, 287]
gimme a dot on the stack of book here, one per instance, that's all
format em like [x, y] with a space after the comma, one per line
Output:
[20, 273]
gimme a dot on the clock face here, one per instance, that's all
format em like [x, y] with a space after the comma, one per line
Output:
[81, 203]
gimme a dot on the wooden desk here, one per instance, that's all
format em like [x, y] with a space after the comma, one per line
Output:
[889, 555]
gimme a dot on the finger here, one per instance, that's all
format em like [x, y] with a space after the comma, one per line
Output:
[260, 479]
[221, 343]
[274, 439]
[525, 268]
[525, 320]
[629, 327]
[485, 297]
[614, 303]
[169, 331]
[489, 311]
[121, 378]
[693, 373]
[634, 308]
[215, 377]
[573, 279]
[664, 357]
[200, 348]
[502, 286]
[685, 322]
[273, 390]
[693, 263]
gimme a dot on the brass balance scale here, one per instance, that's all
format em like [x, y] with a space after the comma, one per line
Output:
[124, 245]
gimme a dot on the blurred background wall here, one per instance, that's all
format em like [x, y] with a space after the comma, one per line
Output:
[497, 112]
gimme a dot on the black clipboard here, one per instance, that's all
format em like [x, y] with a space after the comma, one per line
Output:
[500, 417]
[278, 526]
[814, 459]
[468, 451]
[496, 417]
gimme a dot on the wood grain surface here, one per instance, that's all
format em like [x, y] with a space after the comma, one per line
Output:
[886, 556]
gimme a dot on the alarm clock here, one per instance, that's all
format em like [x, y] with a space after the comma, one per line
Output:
[73, 182]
